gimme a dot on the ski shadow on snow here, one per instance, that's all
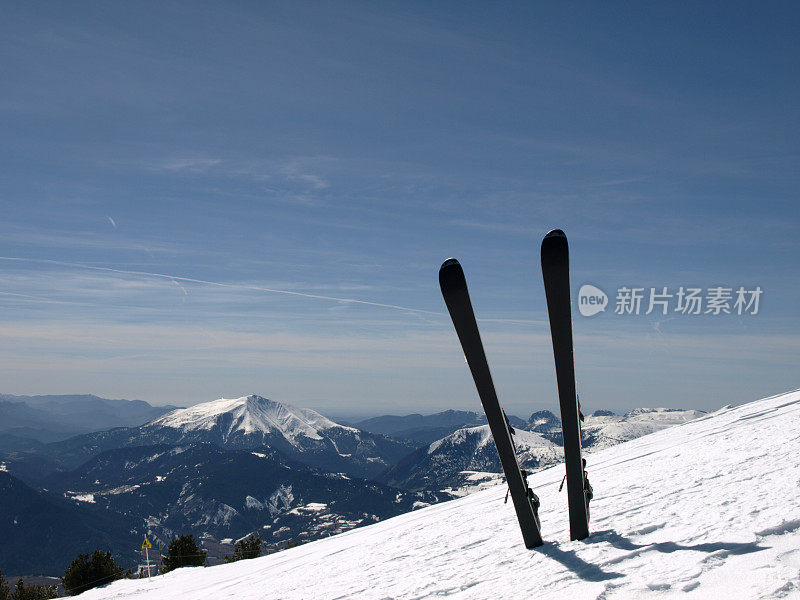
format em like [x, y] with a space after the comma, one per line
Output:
[623, 543]
[577, 565]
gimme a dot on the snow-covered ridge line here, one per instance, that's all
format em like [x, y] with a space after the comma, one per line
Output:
[248, 414]
[460, 436]
[605, 430]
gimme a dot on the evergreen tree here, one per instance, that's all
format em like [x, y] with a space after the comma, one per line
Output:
[249, 547]
[33, 592]
[5, 590]
[20, 592]
[85, 572]
[183, 552]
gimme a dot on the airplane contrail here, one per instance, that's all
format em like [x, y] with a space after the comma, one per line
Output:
[217, 283]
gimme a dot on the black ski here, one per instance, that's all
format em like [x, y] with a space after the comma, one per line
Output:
[456, 296]
[555, 270]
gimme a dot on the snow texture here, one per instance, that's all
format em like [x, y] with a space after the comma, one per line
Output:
[706, 509]
[469, 482]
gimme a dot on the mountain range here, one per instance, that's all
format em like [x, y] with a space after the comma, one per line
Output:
[424, 429]
[228, 467]
[53, 418]
[250, 422]
[440, 465]
[220, 469]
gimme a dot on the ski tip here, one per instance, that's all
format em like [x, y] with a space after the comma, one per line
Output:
[555, 249]
[451, 276]
[449, 262]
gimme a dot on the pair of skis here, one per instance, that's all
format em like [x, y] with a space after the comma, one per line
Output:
[555, 270]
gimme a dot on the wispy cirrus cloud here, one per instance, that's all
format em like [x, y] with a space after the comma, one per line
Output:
[193, 164]
[294, 180]
[90, 239]
[221, 284]
[494, 227]
[302, 169]
[237, 358]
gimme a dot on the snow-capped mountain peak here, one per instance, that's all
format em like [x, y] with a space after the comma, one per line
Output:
[481, 434]
[248, 415]
[441, 464]
[299, 433]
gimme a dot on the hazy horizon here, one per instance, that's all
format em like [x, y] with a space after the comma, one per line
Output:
[352, 416]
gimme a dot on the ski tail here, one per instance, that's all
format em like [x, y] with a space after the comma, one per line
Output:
[555, 271]
[456, 297]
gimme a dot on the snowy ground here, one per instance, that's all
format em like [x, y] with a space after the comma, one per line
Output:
[708, 509]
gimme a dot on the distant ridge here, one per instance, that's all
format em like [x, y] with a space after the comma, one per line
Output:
[424, 429]
[57, 417]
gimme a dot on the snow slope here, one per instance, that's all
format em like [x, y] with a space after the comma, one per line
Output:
[707, 509]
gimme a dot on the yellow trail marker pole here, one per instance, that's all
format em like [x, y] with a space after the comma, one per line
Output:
[146, 545]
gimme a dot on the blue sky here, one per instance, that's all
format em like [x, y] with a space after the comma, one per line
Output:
[165, 165]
